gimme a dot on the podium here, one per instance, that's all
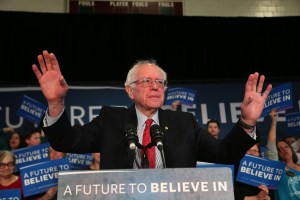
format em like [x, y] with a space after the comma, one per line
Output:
[207, 183]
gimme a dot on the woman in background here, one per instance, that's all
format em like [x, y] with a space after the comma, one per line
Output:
[16, 141]
[244, 191]
[289, 185]
[8, 180]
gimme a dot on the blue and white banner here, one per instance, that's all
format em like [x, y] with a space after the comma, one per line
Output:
[293, 123]
[149, 184]
[30, 155]
[280, 98]
[31, 109]
[256, 171]
[10, 194]
[183, 95]
[40, 177]
[220, 101]
[79, 161]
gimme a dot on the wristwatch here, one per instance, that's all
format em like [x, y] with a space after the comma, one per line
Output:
[252, 134]
[245, 125]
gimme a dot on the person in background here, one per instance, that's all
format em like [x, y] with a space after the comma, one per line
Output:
[244, 191]
[176, 105]
[8, 180]
[95, 165]
[213, 127]
[16, 141]
[55, 155]
[145, 85]
[288, 188]
[271, 149]
[33, 137]
[289, 185]
[290, 139]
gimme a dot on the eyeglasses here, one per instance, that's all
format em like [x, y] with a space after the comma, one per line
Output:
[9, 164]
[147, 82]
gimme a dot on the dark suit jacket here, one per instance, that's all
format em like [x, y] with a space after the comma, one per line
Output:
[185, 142]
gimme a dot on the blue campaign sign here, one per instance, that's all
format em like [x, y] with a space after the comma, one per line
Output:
[40, 177]
[31, 109]
[280, 98]
[257, 171]
[79, 161]
[184, 95]
[10, 194]
[293, 122]
[29, 155]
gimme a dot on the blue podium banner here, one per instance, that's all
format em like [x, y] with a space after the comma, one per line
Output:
[256, 171]
[40, 177]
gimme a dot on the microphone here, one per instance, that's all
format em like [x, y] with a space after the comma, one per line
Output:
[131, 137]
[157, 136]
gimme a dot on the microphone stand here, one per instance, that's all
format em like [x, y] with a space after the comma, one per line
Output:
[135, 160]
[161, 151]
[162, 155]
[145, 161]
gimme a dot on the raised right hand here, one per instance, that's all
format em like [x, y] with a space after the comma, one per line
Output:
[52, 82]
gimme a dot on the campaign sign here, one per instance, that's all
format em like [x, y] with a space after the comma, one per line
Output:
[184, 95]
[208, 183]
[255, 171]
[14, 194]
[40, 177]
[293, 122]
[30, 155]
[280, 98]
[79, 161]
[31, 109]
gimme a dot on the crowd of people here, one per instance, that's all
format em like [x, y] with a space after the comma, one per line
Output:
[10, 177]
[184, 141]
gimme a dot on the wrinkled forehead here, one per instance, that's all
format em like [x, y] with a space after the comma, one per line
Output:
[148, 70]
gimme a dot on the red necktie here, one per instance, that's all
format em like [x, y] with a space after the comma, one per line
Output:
[146, 141]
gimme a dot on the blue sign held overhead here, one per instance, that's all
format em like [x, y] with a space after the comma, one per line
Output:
[293, 122]
[280, 98]
[31, 109]
[183, 95]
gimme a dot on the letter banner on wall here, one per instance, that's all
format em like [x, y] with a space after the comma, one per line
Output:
[83, 103]
[151, 7]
